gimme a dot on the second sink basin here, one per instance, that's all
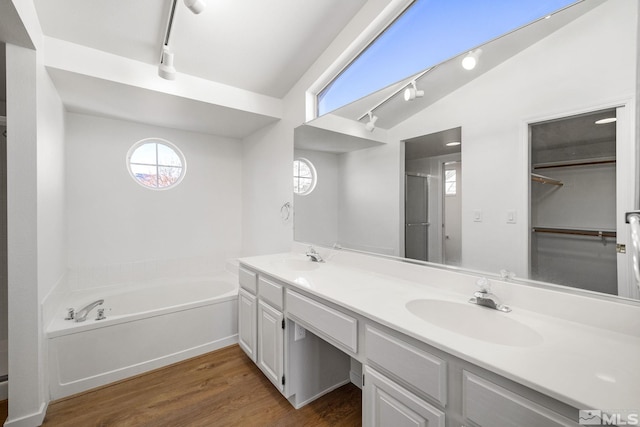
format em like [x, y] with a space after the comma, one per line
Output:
[476, 322]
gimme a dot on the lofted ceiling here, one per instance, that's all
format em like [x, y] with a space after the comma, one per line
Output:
[235, 61]
[256, 45]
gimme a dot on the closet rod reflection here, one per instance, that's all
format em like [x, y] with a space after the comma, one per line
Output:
[576, 232]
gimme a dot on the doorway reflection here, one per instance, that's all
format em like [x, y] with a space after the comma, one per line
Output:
[433, 195]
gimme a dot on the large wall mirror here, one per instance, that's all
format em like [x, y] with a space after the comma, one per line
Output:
[523, 166]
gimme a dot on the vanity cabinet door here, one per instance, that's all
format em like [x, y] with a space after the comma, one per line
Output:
[385, 403]
[271, 343]
[247, 323]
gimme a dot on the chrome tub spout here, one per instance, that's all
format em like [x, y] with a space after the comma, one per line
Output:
[81, 315]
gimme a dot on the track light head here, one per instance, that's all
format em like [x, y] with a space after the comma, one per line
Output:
[195, 6]
[470, 61]
[412, 92]
[371, 124]
[166, 70]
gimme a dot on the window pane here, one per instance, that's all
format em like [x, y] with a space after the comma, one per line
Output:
[302, 185]
[304, 177]
[168, 176]
[450, 179]
[145, 154]
[146, 175]
[168, 157]
[156, 163]
[304, 170]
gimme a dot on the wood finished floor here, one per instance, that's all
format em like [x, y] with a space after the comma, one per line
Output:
[222, 388]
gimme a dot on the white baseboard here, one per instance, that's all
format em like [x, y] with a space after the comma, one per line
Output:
[4, 390]
[356, 379]
[322, 393]
[31, 420]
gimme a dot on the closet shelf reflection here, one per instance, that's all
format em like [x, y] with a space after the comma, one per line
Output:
[570, 163]
[545, 180]
[576, 232]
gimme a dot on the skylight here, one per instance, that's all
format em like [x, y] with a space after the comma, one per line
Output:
[426, 34]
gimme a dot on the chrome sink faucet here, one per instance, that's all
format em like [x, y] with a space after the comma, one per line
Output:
[485, 298]
[313, 255]
[81, 315]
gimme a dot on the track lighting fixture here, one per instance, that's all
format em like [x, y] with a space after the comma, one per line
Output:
[195, 6]
[371, 124]
[412, 92]
[470, 61]
[166, 70]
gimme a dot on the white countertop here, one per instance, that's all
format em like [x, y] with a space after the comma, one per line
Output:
[585, 366]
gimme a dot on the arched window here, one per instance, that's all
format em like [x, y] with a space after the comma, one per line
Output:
[156, 164]
[304, 176]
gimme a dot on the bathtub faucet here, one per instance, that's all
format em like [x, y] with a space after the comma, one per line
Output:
[81, 315]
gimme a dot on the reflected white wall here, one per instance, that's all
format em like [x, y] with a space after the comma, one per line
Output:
[316, 214]
[583, 65]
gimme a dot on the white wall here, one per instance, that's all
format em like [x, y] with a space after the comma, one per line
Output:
[589, 63]
[369, 199]
[52, 254]
[316, 214]
[25, 334]
[36, 225]
[120, 231]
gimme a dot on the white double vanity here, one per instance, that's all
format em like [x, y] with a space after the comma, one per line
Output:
[424, 355]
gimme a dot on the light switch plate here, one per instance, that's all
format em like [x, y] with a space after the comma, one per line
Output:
[512, 217]
[477, 215]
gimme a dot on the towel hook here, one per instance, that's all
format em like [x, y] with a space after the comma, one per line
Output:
[285, 211]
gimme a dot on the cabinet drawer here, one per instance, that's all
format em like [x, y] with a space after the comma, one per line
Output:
[270, 292]
[248, 280]
[487, 404]
[330, 324]
[424, 371]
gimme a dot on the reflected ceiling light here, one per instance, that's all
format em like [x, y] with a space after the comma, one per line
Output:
[371, 124]
[453, 143]
[195, 6]
[606, 120]
[412, 92]
[470, 61]
[166, 70]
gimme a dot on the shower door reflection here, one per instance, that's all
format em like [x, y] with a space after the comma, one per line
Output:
[416, 234]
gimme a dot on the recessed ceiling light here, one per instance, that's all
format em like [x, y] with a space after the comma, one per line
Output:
[605, 121]
[453, 143]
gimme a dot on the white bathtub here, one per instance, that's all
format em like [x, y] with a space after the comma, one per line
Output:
[147, 326]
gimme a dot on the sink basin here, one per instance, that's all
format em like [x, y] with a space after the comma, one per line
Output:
[476, 322]
[298, 264]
